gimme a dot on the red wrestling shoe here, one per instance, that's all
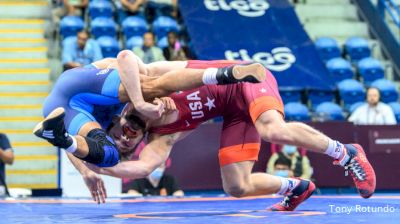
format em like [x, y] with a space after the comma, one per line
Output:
[355, 162]
[300, 193]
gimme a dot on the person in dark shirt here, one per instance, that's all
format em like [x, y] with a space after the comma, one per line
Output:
[157, 183]
[6, 157]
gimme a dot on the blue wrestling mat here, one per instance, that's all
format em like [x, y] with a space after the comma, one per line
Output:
[210, 210]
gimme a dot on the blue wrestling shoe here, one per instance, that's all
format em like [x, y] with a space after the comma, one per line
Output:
[254, 73]
[52, 129]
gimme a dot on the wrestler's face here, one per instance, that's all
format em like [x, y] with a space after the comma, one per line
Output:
[125, 137]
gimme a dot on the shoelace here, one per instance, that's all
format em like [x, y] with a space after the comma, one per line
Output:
[356, 169]
[286, 200]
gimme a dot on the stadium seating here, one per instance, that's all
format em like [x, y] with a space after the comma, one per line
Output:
[100, 8]
[296, 111]
[316, 97]
[396, 110]
[134, 26]
[290, 94]
[163, 24]
[354, 106]
[103, 26]
[340, 69]
[370, 70]
[327, 48]
[70, 26]
[387, 88]
[163, 42]
[134, 41]
[330, 111]
[357, 48]
[351, 91]
[109, 46]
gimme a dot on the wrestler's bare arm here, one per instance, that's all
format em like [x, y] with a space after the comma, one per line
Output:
[153, 155]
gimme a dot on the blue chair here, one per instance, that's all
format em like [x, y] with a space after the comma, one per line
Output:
[317, 97]
[351, 91]
[396, 110]
[163, 24]
[296, 112]
[340, 69]
[327, 48]
[290, 94]
[70, 26]
[100, 8]
[354, 106]
[370, 70]
[103, 26]
[388, 90]
[357, 48]
[163, 42]
[133, 42]
[134, 26]
[330, 111]
[109, 46]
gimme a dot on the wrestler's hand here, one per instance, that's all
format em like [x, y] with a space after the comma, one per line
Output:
[169, 103]
[96, 186]
[151, 111]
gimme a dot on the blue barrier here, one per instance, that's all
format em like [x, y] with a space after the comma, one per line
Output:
[265, 31]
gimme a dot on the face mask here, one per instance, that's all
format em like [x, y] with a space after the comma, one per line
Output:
[282, 173]
[157, 174]
[289, 149]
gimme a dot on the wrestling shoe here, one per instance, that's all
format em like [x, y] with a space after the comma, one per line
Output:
[52, 129]
[300, 193]
[355, 162]
[254, 73]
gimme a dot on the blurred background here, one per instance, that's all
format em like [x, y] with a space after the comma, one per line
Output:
[337, 63]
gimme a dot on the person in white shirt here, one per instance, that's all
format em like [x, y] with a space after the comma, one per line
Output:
[373, 111]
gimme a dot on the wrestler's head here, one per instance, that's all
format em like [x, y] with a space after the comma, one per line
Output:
[127, 131]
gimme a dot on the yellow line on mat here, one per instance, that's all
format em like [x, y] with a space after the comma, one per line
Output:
[16, 131]
[22, 21]
[23, 49]
[21, 106]
[34, 186]
[24, 94]
[24, 83]
[19, 40]
[31, 172]
[35, 118]
[21, 60]
[24, 71]
[36, 157]
[30, 144]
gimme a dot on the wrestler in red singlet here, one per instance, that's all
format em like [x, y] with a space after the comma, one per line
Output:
[239, 104]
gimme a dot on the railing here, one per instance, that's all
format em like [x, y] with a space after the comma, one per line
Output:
[391, 8]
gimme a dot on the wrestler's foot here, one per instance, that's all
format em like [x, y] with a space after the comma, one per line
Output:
[254, 73]
[355, 162]
[300, 193]
[52, 129]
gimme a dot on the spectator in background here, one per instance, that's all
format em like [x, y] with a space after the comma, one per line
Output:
[373, 112]
[129, 8]
[80, 52]
[174, 51]
[149, 52]
[282, 168]
[62, 8]
[299, 164]
[6, 157]
[157, 183]
[156, 8]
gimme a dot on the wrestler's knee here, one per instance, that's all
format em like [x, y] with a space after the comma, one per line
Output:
[272, 127]
[236, 190]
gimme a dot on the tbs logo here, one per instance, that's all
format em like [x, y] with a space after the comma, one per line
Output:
[248, 8]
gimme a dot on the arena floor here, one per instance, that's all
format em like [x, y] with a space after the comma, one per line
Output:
[201, 210]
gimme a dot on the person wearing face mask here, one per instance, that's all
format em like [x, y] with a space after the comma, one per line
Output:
[156, 184]
[373, 112]
[299, 164]
[282, 168]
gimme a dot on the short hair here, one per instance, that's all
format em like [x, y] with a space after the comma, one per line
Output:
[283, 161]
[152, 34]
